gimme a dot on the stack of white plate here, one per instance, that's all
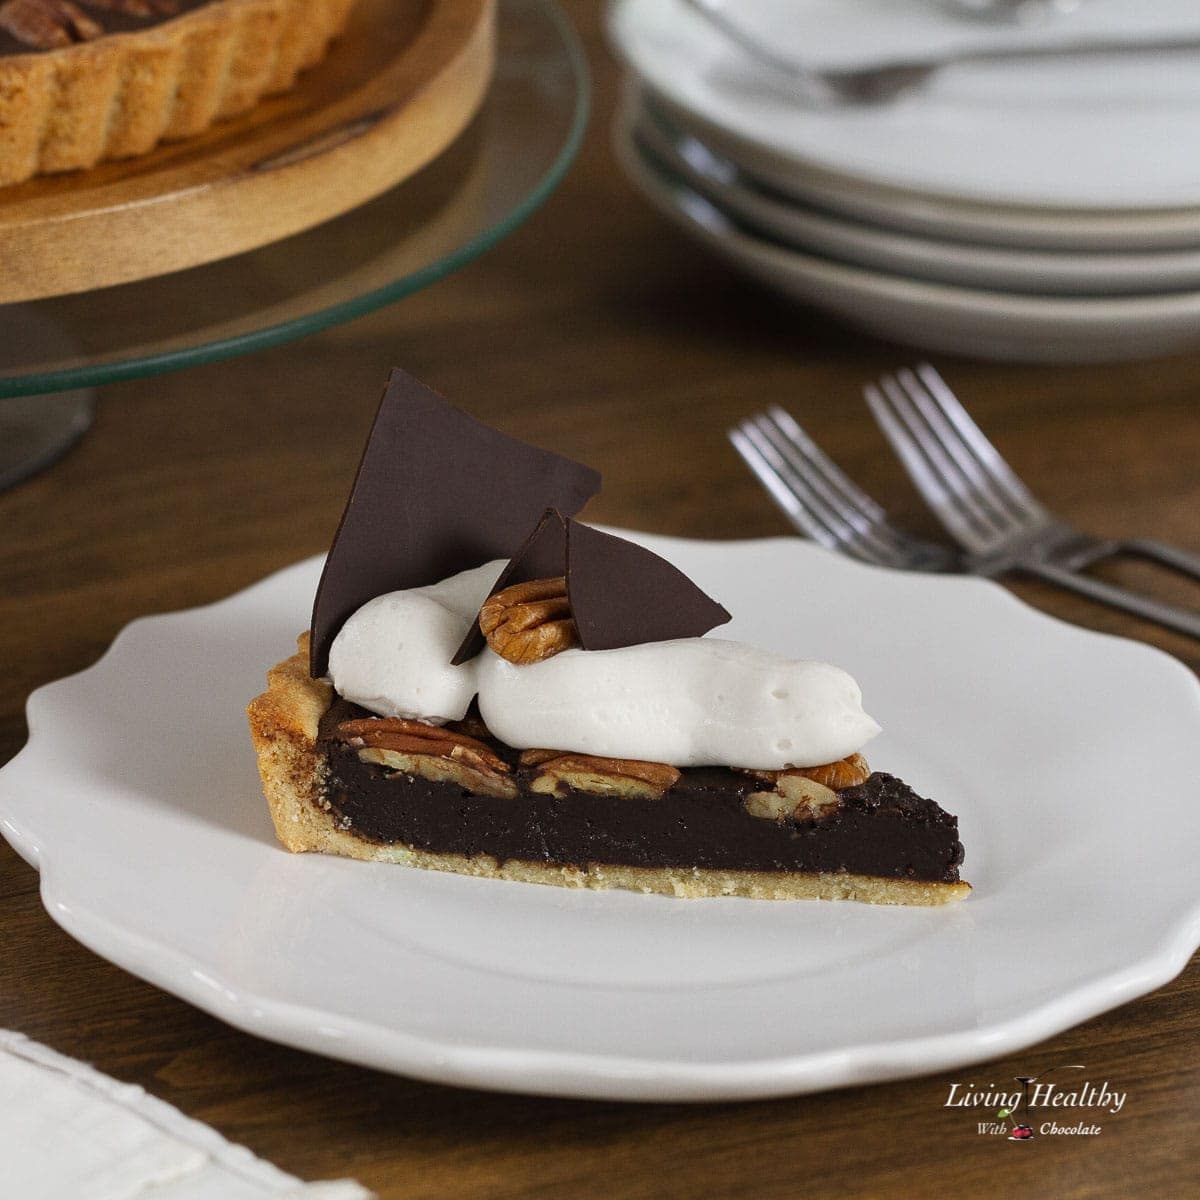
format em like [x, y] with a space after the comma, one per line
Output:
[1039, 209]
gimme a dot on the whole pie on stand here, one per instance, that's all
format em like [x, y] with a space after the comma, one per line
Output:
[81, 82]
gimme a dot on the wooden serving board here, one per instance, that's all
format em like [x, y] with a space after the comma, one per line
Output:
[400, 84]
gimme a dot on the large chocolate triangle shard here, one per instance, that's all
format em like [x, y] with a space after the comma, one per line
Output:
[437, 492]
[620, 593]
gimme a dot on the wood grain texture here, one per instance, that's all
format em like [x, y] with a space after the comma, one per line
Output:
[600, 332]
[400, 84]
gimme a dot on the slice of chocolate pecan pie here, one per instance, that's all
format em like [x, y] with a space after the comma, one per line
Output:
[341, 780]
[561, 718]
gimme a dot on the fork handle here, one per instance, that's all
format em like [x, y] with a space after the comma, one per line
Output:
[1169, 556]
[1179, 619]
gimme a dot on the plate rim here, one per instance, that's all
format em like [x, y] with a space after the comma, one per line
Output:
[995, 267]
[927, 314]
[588, 1074]
[1077, 310]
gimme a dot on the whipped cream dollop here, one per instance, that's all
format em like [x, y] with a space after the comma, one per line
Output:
[692, 702]
[393, 655]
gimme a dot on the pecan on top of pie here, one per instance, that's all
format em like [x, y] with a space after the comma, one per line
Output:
[50, 24]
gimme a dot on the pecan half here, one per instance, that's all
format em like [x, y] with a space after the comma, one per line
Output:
[47, 24]
[804, 793]
[415, 737]
[530, 621]
[138, 8]
[533, 758]
[795, 796]
[559, 773]
[472, 725]
[846, 772]
[480, 781]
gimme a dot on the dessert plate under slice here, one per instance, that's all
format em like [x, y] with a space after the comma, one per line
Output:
[1068, 756]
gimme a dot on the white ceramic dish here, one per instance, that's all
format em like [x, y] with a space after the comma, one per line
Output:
[1098, 135]
[810, 229]
[138, 801]
[974, 322]
[937, 216]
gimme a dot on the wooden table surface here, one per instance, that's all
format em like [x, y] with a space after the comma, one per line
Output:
[600, 332]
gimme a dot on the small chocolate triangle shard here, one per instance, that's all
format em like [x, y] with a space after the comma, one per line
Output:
[620, 593]
[437, 492]
[623, 594]
[542, 555]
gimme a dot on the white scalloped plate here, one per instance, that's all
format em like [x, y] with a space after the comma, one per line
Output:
[138, 801]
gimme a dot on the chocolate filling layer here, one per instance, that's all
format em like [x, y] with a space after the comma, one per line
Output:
[881, 827]
[109, 20]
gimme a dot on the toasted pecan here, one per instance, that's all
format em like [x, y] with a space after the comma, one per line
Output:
[528, 622]
[846, 772]
[47, 24]
[558, 773]
[459, 771]
[794, 796]
[415, 737]
[138, 8]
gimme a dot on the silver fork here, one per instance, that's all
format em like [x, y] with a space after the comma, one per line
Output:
[822, 502]
[991, 514]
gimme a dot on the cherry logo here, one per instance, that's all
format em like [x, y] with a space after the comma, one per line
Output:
[1021, 1133]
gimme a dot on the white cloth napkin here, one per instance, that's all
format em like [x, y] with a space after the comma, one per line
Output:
[67, 1132]
[861, 33]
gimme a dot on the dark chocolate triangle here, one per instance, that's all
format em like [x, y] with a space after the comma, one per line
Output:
[621, 594]
[542, 555]
[437, 492]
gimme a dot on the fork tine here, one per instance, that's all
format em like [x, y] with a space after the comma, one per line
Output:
[910, 447]
[974, 485]
[826, 478]
[770, 479]
[939, 458]
[802, 517]
[814, 516]
[792, 493]
[855, 529]
[1003, 477]
[817, 458]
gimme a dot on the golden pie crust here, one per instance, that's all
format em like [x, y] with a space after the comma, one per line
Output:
[122, 94]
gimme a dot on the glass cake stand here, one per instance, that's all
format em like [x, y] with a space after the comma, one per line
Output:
[53, 352]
